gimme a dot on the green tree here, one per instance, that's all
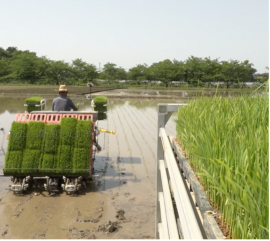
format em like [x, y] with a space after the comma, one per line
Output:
[58, 72]
[112, 72]
[211, 70]
[121, 74]
[83, 71]
[23, 66]
[139, 72]
[165, 71]
[3, 53]
[12, 50]
[193, 71]
[5, 69]
[235, 72]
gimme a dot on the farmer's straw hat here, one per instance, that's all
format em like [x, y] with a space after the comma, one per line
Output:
[62, 88]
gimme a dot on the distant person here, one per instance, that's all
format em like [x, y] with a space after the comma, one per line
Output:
[63, 103]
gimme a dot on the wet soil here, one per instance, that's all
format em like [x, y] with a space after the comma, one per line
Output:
[119, 204]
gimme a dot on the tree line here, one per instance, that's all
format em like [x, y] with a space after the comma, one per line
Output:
[17, 66]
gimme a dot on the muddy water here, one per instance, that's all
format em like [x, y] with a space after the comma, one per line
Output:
[126, 166]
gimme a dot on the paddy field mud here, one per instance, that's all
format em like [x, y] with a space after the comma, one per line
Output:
[119, 204]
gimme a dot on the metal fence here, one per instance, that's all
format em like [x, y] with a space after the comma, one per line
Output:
[175, 211]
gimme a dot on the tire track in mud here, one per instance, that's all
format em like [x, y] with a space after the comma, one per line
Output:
[139, 129]
[129, 148]
[153, 115]
[143, 126]
[150, 124]
[142, 155]
[118, 149]
[170, 125]
[106, 159]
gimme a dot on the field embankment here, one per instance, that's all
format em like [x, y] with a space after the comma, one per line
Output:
[227, 143]
[51, 91]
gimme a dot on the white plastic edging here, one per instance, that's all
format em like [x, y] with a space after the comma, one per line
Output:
[172, 226]
[163, 215]
[188, 220]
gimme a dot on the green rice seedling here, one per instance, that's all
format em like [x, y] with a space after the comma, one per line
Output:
[227, 143]
[48, 163]
[13, 160]
[33, 108]
[81, 160]
[99, 100]
[67, 131]
[64, 159]
[31, 160]
[33, 100]
[100, 108]
[35, 135]
[51, 138]
[17, 136]
[83, 137]
[102, 116]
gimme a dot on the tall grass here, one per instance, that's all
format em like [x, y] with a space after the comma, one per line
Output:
[227, 143]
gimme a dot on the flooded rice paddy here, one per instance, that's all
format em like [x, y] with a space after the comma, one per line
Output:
[126, 166]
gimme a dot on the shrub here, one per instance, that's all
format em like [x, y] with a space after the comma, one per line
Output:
[81, 160]
[30, 162]
[100, 100]
[67, 131]
[35, 134]
[13, 160]
[64, 156]
[51, 138]
[83, 134]
[48, 162]
[17, 136]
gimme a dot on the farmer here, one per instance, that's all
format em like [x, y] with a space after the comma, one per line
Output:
[63, 103]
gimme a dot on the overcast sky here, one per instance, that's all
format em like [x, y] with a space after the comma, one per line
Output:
[132, 32]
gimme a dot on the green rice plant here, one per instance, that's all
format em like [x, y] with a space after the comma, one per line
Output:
[100, 108]
[51, 138]
[67, 131]
[17, 137]
[64, 159]
[226, 141]
[98, 100]
[48, 163]
[83, 137]
[35, 133]
[81, 160]
[102, 116]
[13, 160]
[31, 160]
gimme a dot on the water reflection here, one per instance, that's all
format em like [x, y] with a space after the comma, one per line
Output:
[180, 93]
